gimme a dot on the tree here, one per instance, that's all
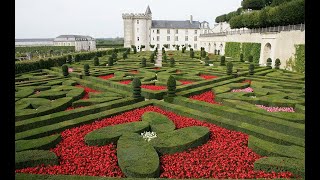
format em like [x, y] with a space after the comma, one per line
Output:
[253, 4]
[177, 46]
[277, 64]
[229, 68]
[269, 61]
[77, 58]
[206, 61]
[251, 69]
[110, 61]
[172, 62]
[171, 86]
[144, 62]
[250, 59]
[152, 58]
[86, 69]
[69, 58]
[65, 71]
[203, 53]
[136, 88]
[125, 55]
[241, 57]
[221, 18]
[164, 57]
[151, 46]
[222, 61]
[96, 61]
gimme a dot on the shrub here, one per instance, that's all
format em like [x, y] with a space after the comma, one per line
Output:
[183, 49]
[269, 61]
[134, 50]
[250, 58]
[251, 69]
[128, 50]
[86, 69]
[42, 64]
[172, 62]
[136, 87]
[229, 68]
[253, 4]
[277, 63]
[192, 54]
[69, 58]
[65, 71]
[171, 85]
[203, 53]
[177, 46]
[233, 49]
[221, 18]
[166, 45]
[96, 61]
[206, 61]
[151, 45]
[142, 46]
[114, 56]
[241, 57]
[222, 61]
[77, 58]
[124, 55]
[143, 62]
[164, 57]
[152, 58]
[110, 61]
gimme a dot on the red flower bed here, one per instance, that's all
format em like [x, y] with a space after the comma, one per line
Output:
[247, 81]
[87, 90]
[156, 68]
[225, 155]
[125, 81]
[134, 71]
[208, 76]
[185, 82]
[107, 76]
[207, 96]
[72, 108]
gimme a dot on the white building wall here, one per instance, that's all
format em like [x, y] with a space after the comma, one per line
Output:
[128, 32]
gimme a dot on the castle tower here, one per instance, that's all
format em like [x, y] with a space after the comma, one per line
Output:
[137, 29]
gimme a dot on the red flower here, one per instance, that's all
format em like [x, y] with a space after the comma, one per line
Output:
[156, 68]
[207, 76]
[206, 97]
[72, 108]
[225, 155]
[151, 87]
[134, 71]
[107, 76]
[125, 81]
[185, 82]
[87, 90]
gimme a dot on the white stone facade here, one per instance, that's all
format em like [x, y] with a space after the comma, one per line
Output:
[81, 43]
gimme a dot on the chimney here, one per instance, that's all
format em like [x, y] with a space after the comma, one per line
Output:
[191, 19]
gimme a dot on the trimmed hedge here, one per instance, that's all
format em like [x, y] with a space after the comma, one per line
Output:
[44, 143]
[233, 49]
[136, 157]
[33, 158]
[252, 49]
[181, 139]
[159, 123]
[92, 101]
[111, 134]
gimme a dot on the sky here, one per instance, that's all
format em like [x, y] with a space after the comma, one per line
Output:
[103, 18]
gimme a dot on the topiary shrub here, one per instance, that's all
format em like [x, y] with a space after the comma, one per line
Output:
[114, 56]
[110, 61]
[269, 61]
[69, 58]
[134, 50]
[125, 55]
[77, 58]
[222, 61]
[152, 58]
[171, 85]
[203, 53]
[191, 53]
[136, 86]
[251, 69]
[65, 71]
[277, 64]
[206, 61]
[42, 64]
[86, 69]
[96, 61]
[183, 49]
[177, 47]
[172, 62]
[229, 68]
[250, 59]
[241, 57]
[143, 62]
[164, 57]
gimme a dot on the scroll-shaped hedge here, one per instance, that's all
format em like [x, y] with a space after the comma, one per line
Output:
[39, 143]
[110, 134]
[181, 139]
[136, 157]
[159, 123]
[33, 158]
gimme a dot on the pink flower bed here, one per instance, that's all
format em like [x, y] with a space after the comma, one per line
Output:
[248, 89]
[70, 70]
[225, 155]
[276, 109]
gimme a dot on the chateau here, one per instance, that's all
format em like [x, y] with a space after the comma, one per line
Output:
[140, 29]
[81, 43]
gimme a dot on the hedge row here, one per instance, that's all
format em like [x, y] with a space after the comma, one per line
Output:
[233, 49]
[159, 123]
[72, 114]
[92, 101]
[66, 124]
[252, 49]
[44, 143]
[31, 158]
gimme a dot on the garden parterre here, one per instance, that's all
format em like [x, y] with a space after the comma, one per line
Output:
[54, 113]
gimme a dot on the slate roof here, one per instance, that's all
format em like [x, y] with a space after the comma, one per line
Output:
[71, 37]
[148, 11]
[175, 24]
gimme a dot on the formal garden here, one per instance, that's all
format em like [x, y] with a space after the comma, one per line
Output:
[114, 114]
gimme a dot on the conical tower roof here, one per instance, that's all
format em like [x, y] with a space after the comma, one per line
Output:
[148, 11]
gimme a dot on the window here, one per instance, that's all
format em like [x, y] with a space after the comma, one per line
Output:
[158, 31]
[195, 31]
[137, 21]
[195, 38]
[186, 31]
[138, 38]
[186, 38]
[158, 38]
[195, 46]
[177, 38]
[168, 31]
[177, 31]
[168, 38]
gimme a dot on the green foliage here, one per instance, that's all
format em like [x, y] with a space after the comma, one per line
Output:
[86, 69]
[251, 69]
[250, 58]
[233, 49]
[164, 57]
[142, 46]
[171, 86]
[192, 53]
[221, 18]
[151, 45]
[158, 122]
[172, 62]
[183, 49]
[110, 61]
[77, 58]
[152, 58]
[231, 14]
[44, 50]
[125, 55]
[96, 61]
[241, 57]
[177, 47]
[222, 61]
[229, 68]
[269, 62]
[134, 49]
[252, 49]
[31, 158]
[253, 4]
[44, 143]
[143, 62]
[136, 87]
[166, 45]
[69, 58]
[203, 53]
[65, 71]
[206, 61]
[277, 63]
[300, 58]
